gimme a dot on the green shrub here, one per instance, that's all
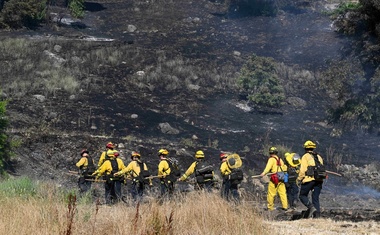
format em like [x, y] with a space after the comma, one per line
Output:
[5, 145]
[22, 13]
[344, 7]
[77, 8]
[259, 80]
[21, 187]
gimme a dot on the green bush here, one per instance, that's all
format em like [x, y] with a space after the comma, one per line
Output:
[344, 7]
[259, 80]
[5, 147]
[77, 8]
[22, 13]
[21, 187]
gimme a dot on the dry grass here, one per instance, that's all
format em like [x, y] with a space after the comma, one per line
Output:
[48, 212]
[323, 227]
[196, 213]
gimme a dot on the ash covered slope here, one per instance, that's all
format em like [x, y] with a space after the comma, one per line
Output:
[56, 129]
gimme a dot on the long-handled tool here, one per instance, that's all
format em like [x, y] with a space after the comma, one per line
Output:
[334, 173]
[155, 176]
[257, 176]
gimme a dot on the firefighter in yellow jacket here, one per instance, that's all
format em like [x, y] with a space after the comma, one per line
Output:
[112, 186]
[86, 168]
[309, 183]
[134, 171]
[292, 160]
[203, 172]
[275, 187]
[229, 187]
[166, 184]
[103, 156]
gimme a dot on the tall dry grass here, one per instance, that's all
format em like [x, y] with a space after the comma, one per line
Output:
[50, 210]
[194, 213]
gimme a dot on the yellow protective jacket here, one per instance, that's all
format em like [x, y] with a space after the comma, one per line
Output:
[133, 169]
[189, 171]
[307, 160]
[163, 168]
[224, 169]
[82, 163]
[272, 167]
[106, 167]
[102, 158]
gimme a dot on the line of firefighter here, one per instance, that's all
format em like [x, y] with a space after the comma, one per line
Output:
[298, 170]
[303, 175]
[114, 172]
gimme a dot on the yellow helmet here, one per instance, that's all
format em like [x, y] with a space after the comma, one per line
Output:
[309, 145]
[287, 154]
[273, 150]
[199, 154]
[163, 152]
[135, 154]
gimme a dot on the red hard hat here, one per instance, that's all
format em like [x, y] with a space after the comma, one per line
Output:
[110, 145]
[223, 155]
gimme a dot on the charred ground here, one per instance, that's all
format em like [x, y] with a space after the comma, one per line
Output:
[53, 131]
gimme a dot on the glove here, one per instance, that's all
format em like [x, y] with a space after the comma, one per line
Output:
[94, 174]
[117, 173]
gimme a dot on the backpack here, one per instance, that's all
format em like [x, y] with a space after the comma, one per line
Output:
[279, 176]
[236, 176]
[90, 166]
[203, 172]
[143, 174]
[318, 171]
[292, 174]
[115, 168]
[175, 172]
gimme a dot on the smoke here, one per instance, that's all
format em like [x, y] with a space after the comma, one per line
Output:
[357, 190]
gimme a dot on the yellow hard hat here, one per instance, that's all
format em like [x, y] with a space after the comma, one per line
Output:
[199, 154]
[163, 152]
[309, 145]
[287, 154]
[273, 150]
[135, 154]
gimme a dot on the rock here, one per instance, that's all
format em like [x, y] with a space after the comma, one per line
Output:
[131, 28]
[134, 116]
[167, 129]
[121, 146]
[57, 48]
[40, 97]
[237, 53]
[193, 87]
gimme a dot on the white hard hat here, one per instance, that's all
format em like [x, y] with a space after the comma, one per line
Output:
[296, 157]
